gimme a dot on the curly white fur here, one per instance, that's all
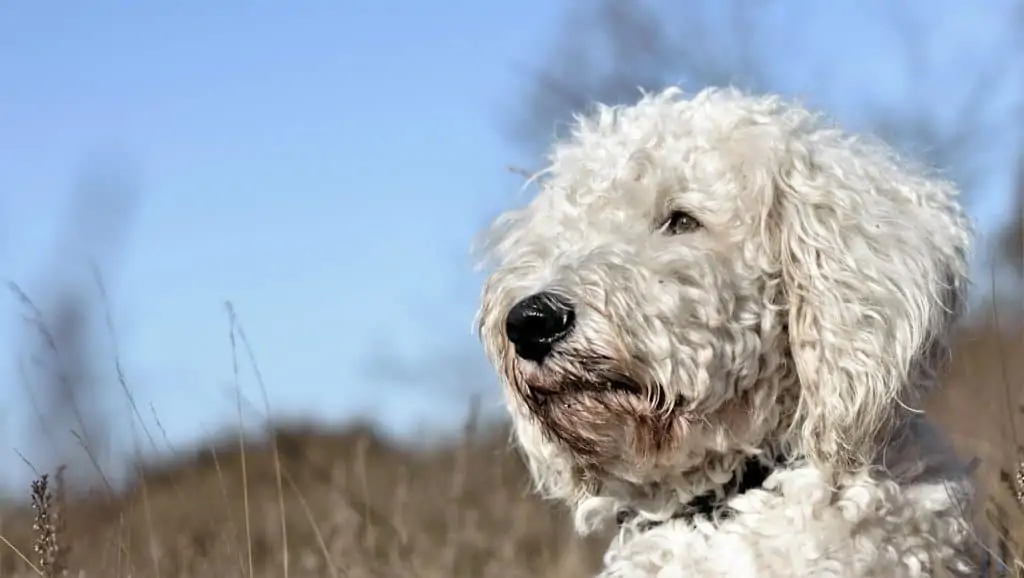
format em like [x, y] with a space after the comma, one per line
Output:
[803, 318]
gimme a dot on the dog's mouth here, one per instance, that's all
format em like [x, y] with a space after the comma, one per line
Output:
[573, 388]
[624, 386]
[573, 379]
[603, 390]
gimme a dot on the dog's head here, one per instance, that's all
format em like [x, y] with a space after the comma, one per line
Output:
[702, 279]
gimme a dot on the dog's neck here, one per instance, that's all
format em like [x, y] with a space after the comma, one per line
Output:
[711, 504]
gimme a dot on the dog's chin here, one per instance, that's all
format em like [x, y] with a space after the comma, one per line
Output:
[602, 418]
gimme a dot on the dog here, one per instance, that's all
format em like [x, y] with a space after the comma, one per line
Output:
[714, 325]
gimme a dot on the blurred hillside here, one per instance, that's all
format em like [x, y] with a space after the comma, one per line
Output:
[332, 503]
[348, 504]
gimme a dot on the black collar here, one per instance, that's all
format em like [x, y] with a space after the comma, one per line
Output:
[710, 504]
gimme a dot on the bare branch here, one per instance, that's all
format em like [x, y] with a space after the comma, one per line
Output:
[60, 332]
[1011, 243]
[525, 173]
[607, 49]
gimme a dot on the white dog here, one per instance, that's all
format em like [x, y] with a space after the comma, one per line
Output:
[713, 325]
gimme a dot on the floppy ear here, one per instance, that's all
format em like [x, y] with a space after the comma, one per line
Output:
[872, 254]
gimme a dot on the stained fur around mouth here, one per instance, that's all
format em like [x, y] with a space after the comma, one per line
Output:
[576, 375]
[653, 395]
[589, 403]
[570, 374]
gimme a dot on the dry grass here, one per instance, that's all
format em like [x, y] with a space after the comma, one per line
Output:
[313, 503]
[983, 408]
[353, 506]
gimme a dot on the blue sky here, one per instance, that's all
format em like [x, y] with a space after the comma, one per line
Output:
[321, 164]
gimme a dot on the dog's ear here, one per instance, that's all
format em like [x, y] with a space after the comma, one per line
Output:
[872, 257]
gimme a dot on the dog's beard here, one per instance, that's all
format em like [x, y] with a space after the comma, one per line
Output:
[618, 422]
[605, 413]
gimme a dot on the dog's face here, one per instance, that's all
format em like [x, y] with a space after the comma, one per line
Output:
[697, 280]
[632, 316]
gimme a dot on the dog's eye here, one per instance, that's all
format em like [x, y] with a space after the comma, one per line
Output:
[679, 222]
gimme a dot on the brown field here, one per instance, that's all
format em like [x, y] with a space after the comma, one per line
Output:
[346, 504]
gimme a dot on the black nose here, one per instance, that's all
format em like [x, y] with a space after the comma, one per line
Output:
[538, 322]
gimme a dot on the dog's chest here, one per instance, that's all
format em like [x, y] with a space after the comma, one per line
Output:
[798, 527]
